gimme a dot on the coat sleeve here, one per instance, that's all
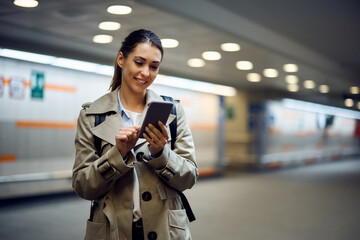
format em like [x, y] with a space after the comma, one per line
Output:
[178, 167]
[93, 175]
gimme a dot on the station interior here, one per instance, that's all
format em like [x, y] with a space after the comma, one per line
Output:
[270, 89]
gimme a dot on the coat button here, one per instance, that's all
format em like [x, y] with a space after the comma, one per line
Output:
[139, 156]
[146, 196]
[152, 236]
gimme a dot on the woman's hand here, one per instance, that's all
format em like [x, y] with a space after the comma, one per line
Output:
[157, 138]
[126, 139]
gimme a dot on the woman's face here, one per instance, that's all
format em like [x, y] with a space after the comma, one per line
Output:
[140, 68]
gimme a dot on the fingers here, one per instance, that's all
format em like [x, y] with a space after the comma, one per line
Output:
[156, 136]
[127, 134]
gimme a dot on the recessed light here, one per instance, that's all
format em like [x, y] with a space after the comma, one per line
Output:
[291, 79]
[211, 55]
[169, 43]
[102, 38]
[110, 26]
[358, 105]
[253, 77]
[244, 65]
[309, 84]
[293, 88]
[230, 47]
[26, 3]
[324, 88]
[290, 67]
[119, 9]
[354, 90]
[349, 102]
[270, 73]
[196, 62]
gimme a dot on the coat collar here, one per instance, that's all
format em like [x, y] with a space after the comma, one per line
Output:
[112, 124]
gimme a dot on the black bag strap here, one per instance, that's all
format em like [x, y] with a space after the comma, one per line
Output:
[99, 118]
[173, 132]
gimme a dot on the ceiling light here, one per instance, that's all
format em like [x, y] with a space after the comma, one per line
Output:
[309, 84]
[211, 55]
[349, 102]
[119, 9]
[244, 65]
[196, 62]
[230, 47]
[290, 67]
[354, 90]
[253, 77]
[169, 43]
[102, 38]
[358, 105]
[270, 73]
[324, 88]
[293, 88]
[291, 79]
[110, 26]
[26, 3]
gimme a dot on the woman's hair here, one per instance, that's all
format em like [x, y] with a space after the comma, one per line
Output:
[128, 45]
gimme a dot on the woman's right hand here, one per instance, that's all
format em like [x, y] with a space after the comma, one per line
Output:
[126, 139]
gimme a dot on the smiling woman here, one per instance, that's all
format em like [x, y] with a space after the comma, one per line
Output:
[141, 178]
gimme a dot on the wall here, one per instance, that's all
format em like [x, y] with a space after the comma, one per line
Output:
[38, 127]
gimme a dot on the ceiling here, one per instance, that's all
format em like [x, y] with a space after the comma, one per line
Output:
[321, 37]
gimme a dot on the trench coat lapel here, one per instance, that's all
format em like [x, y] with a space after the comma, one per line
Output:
[109, 128]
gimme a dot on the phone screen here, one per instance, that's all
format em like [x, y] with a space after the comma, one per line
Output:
[157, 111]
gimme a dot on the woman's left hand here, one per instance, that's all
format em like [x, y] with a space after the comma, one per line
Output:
[157, 138]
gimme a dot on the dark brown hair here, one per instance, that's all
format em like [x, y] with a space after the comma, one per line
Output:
[128, 45]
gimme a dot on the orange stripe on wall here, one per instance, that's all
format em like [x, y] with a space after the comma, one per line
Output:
[6, 81]
[274, 165]
[56, 87]
[27, 84]
[48, 86]
[288, 147]
[203, 126]
[7, 158]
[46, 125]
[207, 172]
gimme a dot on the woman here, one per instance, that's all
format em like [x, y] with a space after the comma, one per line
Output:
[126, 177]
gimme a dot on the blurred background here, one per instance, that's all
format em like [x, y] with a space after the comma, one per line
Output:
[270, 90]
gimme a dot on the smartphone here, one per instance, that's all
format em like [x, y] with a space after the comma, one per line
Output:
[157, 111]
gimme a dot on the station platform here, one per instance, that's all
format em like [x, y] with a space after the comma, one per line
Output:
[315, 202]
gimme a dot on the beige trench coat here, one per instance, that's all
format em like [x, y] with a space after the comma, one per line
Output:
[109, 181]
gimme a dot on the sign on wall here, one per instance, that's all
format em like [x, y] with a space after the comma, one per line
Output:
[37, 84]
[17, 88]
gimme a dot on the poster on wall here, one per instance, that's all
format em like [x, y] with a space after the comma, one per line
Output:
[17, 88]
[37, 85]
[1, 86]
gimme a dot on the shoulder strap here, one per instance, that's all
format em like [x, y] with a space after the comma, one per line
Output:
[173, 124]
[99, 118]
[173, 132]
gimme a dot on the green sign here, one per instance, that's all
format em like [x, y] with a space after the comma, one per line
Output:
[37, 84]
[230, 112]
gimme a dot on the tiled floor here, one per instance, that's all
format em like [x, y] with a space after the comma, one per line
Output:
[317, 202]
